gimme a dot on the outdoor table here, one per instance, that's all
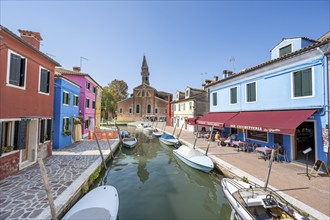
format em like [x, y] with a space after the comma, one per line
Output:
[265, 151]
[240, 144]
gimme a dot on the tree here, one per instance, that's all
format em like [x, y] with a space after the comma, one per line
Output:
[111, 95]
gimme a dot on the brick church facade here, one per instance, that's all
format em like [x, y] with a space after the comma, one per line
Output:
[145, 102]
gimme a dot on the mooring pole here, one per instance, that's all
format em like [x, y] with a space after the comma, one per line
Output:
[47, 187]
[174, 130]
[180, 131]
[269, 167]
[208, 144]
[98, 145]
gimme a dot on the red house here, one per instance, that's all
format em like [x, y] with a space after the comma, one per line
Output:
[26, 101]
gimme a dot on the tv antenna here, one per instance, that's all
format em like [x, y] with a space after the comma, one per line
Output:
[81, 58]
[232, 59]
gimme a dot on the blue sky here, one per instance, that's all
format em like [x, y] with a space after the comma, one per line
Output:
[185, 42]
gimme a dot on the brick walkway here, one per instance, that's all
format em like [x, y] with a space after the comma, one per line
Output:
[23, 196]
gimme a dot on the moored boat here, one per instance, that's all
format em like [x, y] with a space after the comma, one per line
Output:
[253, 202]
[124, 133]
[194, 158]
[157, 133]
[129, 142]
[99, 203]
[169, 140]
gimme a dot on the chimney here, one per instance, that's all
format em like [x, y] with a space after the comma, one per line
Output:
[76, 68]
[31, 37]
[216, 78]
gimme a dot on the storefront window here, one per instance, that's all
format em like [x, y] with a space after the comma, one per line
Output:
[257, 135]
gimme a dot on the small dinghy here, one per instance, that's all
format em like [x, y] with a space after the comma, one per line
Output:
[124, 133]
[129, 142]
[157, 133]
[194, 158]
[169, 140]
[253, 202]
[99, 203]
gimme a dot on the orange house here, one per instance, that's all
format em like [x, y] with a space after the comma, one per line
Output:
[26, 101]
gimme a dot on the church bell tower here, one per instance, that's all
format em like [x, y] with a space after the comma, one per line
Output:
[145, 71]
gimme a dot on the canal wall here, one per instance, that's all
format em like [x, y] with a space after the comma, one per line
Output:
[80, 186]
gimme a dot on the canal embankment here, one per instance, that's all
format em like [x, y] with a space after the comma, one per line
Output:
[70, 172]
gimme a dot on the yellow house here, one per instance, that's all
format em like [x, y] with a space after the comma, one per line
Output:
[99, 90]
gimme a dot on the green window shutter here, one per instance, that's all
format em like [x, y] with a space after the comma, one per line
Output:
[14, 69]
[21, 141]
[306, 82]
[22, 72]
[49, 129]
[233, 95]
[253, 92]
[42, 131]
[297, 78]
[215, 101]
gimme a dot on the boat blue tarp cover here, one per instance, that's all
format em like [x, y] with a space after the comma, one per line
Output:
[167, 136]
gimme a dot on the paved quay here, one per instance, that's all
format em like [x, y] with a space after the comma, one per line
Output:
[23, 196]
[287, 179]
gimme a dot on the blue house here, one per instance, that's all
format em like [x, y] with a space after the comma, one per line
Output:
[66, 109]
[284, 100]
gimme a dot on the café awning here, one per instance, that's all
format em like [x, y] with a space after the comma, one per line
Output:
[216, 119]
[193, 121]
[281, 122]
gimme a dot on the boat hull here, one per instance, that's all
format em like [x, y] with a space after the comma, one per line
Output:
[100, 203]
[170, 142]
[194, 158]
[129, 142]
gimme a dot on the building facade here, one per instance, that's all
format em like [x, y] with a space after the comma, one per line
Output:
[26, 100]
[283, 100]
[146, 103]
[192, 103]
[66, 111]
[87, 102]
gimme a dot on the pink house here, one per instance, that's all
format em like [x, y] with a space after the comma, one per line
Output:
[87, 102]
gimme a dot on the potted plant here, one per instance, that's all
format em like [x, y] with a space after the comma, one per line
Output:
[7, 149]
[67, 133]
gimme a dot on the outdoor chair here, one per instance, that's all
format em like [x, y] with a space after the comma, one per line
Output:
[282, 157]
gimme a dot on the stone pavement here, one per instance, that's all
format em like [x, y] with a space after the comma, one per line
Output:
[23, 196]
[312, 196]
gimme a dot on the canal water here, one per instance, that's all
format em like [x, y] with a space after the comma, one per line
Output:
[154, 184]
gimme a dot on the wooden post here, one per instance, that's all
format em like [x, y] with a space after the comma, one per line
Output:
[208, 144]
[180, 131]
[269, 167]
[195, 138]
[98, 145]
[174, 130]
[47, 187]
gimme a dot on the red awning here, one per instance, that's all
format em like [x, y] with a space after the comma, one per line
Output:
[281, 122]
[216, 119]
[193, 121]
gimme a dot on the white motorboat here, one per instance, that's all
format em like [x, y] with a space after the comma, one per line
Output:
[99, 203]
[148, 129]
[253, 202]
[194, 158]
[169, 140]
[157, 133]
[129, 142]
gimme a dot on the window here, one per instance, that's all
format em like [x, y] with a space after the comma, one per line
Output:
[149, 109]
[75, 100]
[120, 110]
[278, 138]
[93, 104]
[302, 83]
[130, 110]
[184, 106]
[215, 98]
[45, 130]
[174, 107]
[66, 98]
[66, 124]
[187, 93]
[190, 106]
[94, 89]
[156, 110]
[88, 85]
[251, 92]
[285, 50]
[86, 124]
[44, 80]
[17, 70]
[87, 103]
[257, 135]
[233, 95]
[137, 108]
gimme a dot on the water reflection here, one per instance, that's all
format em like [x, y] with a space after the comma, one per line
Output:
[154, 184]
